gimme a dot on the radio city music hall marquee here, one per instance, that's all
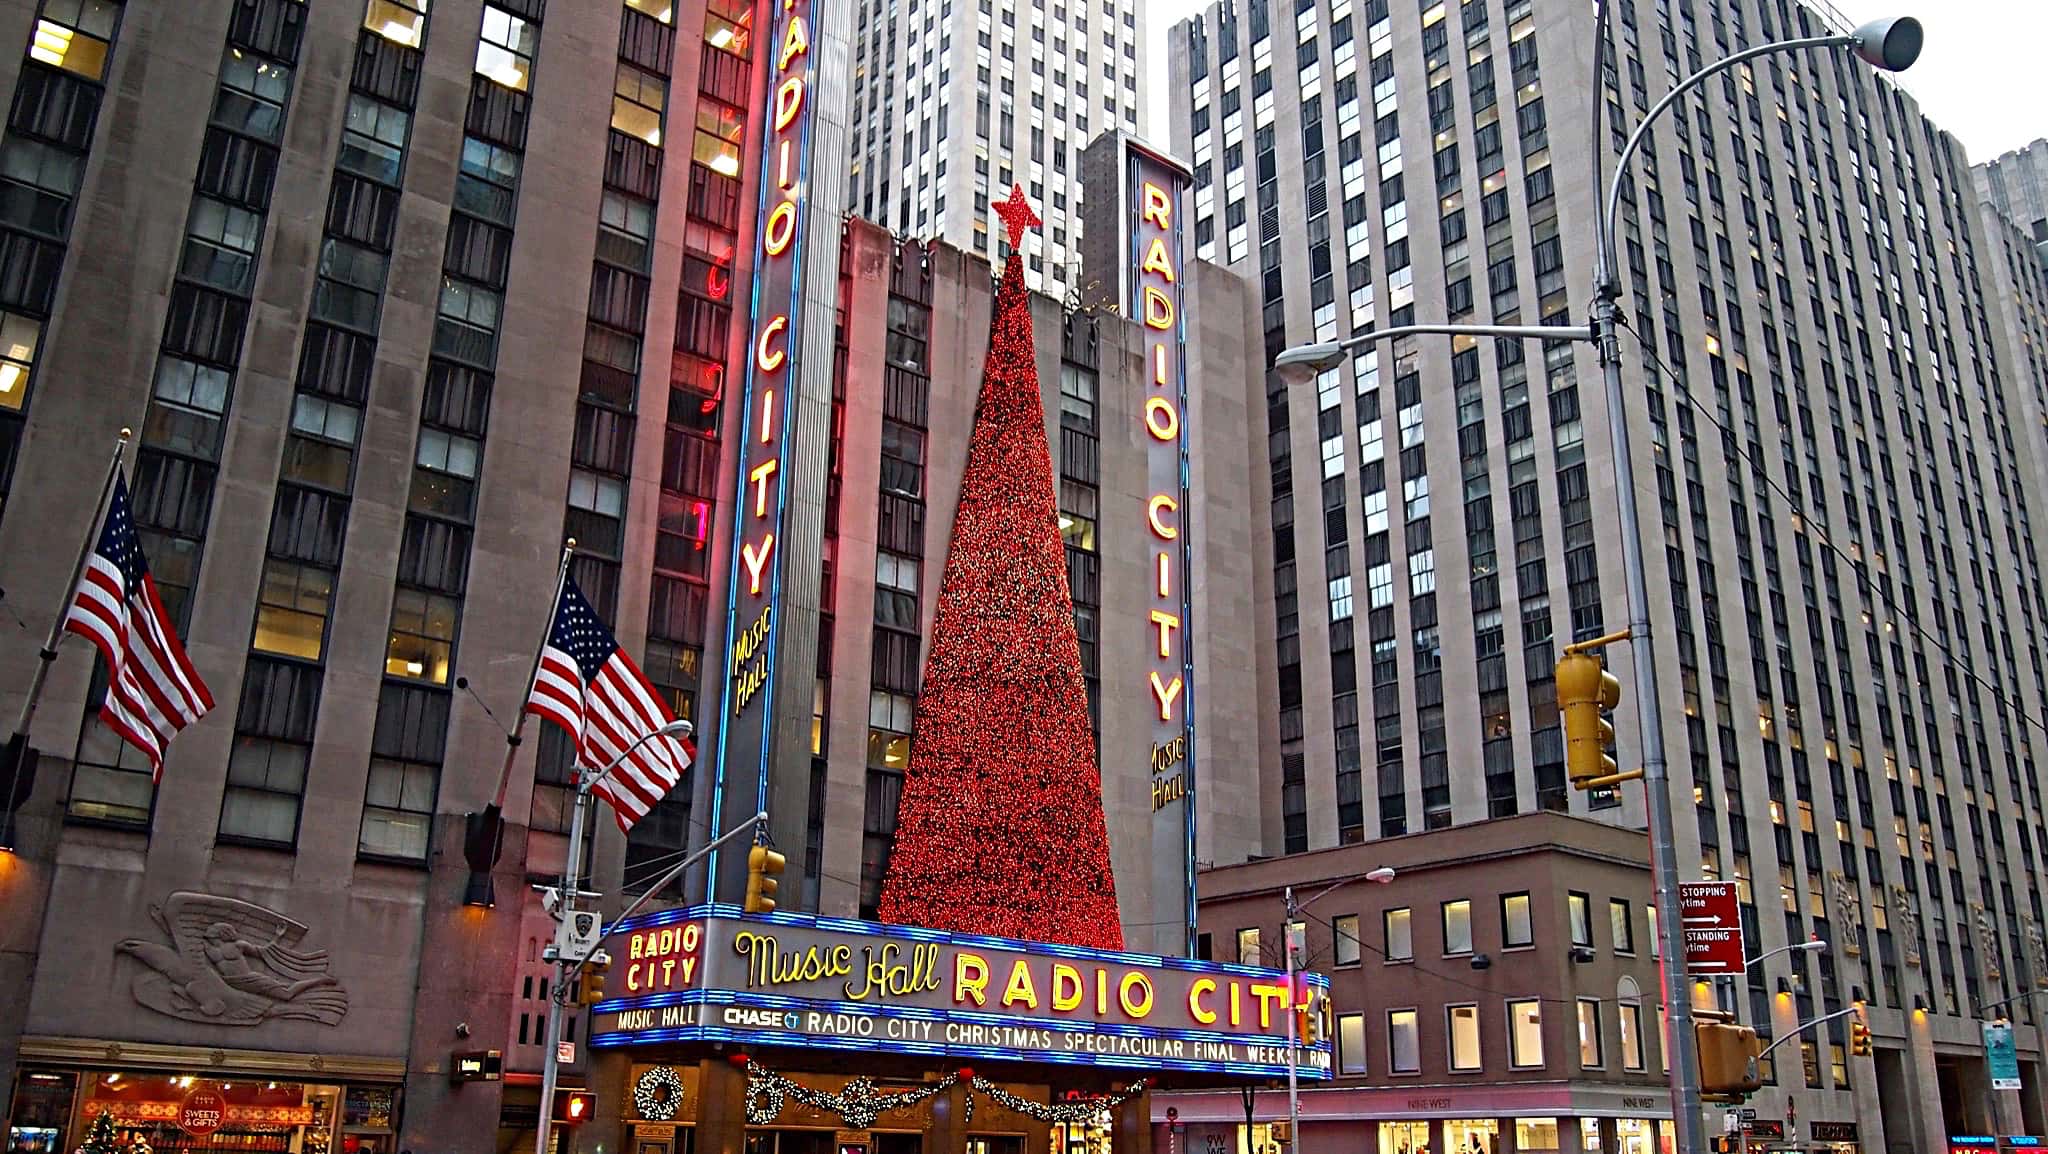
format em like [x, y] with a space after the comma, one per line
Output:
[711, 974]
[754, 597]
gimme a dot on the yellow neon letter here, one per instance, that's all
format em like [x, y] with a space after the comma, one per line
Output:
[1162, 418]
[1167, 623]
[1158, 209]
[1019, 987]
[1167, 692]
[757, 562]
[1136, 1007]
[780, 229]
[760, 477]
[1155, 259]
[1067, 989]
[789, 99]
[1158, 309]
[795, 42]
[1165, 575]
[1196, 992]
[766, 359]
[970, 978]
[1162, 503]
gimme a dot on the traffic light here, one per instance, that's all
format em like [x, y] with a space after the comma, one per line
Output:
[1859, 1038]
[763, 865]
[574, 1107]
[590, 983]
[1586, 693]
[1728, 1059]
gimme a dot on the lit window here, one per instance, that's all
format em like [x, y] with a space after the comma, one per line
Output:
[1631, 1035]
[422, 636]
[1581, 909]
[1344, 935]
[659, 9]
[1351, 1043]
[1458, 927]
[719, 131]
[291, 609]
[637, 100]
[399, 21]
[1404, 1050]
[1516, 929]
[18, 338]
[74, 34]
[1248, 947]
[1525, 1033]
[1462, 1025]
[1589, 1034]
[1400, 936]
[504, 53]
[725, 35]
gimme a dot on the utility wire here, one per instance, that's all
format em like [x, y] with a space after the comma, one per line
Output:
[1864, 584]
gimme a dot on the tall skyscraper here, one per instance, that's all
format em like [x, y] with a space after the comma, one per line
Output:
[955, 100]
[1844, 576]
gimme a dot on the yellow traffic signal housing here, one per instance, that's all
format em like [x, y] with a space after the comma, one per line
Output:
[1586, 693]
[1859, 1039]
[763, 866]
[1728, 1058]
[590, 983]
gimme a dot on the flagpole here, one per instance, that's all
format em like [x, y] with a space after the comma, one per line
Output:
[513, 739]
[15, 753]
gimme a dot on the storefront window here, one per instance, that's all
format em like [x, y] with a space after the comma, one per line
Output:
[1634, 1136]
[1536, 1134]
[1404, 1138]
[189, 1114]
[1257, 1139]
[1471, 1136]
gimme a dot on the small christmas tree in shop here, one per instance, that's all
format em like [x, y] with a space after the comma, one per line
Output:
[100, 1138]
[1000, 829]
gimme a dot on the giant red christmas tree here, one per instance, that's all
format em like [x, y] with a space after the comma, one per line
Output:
[1000, 830]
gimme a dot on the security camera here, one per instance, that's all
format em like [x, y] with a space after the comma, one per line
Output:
[551, 901]
[462, 1029]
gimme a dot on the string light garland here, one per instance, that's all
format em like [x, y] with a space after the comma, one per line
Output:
[1000, 827]
[859, 1103]
[658, 1093]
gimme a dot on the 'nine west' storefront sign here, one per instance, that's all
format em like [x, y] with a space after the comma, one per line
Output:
[710, 974]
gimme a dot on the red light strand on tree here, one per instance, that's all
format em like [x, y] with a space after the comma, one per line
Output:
[1000, 829]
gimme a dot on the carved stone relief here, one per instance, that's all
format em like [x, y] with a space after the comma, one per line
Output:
[231, 963]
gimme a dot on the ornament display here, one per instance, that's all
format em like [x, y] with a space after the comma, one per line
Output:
[859, 1103]
[1000, 828]
[140, 1146]
[100, 1137]
[658, 1093]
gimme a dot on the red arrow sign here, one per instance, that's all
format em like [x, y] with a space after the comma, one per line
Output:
[1711, 917]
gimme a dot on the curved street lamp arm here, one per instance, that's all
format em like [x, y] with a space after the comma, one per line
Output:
[1608, 272]
[1802, 1028]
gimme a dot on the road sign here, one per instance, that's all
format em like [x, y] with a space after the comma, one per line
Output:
[1711, 918]
[565, 1052]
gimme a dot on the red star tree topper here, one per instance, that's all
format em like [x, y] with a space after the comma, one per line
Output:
[1000, 830]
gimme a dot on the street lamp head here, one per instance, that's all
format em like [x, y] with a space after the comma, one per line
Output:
[1814, 944]
[1301, 363]
[1380, 876]
[677, 728]
[1892, 43]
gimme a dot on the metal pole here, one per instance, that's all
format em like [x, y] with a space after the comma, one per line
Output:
[15, 752]
[1293, 1085]
[1685, 1091]
[550, 1068]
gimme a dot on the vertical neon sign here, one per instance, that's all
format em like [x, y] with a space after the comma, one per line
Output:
[754, 584]
[1156, 304]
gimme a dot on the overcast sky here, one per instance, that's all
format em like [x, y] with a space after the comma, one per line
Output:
[1983, 76]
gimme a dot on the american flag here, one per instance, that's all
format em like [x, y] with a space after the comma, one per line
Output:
[589, 686]
[152, 689]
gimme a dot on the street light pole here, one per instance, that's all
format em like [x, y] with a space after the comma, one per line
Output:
[550, 1062]
[1379, 876]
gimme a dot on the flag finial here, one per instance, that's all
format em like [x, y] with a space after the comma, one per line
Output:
[1017, 214]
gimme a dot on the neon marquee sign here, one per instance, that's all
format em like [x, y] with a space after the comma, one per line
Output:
[754, 585]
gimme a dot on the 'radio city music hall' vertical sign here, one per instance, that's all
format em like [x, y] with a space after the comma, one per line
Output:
[754, 586]
[1153, 187]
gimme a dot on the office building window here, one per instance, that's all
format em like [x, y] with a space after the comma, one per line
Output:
[1621, 919]
[1525, 1033]
[1248, 947]
[1457, 927]
[1344, 935]
[1351, 1043]
[1400, 936]
[1631, 1015]
[1590, 1057]
[1404, 1050]
[1516, 928]
[1462, 1026]
[1580, 908]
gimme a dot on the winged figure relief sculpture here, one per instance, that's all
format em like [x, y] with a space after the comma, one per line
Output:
[232, 963]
